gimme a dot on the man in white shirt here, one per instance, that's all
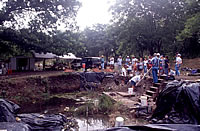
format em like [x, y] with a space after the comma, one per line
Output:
[123, 71]
[112, 62]
[119, 61]
[134, 60]
[134, 80]
[178, 64]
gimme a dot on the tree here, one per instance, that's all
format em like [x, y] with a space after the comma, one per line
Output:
[189, 36]
[38, 14]
[148, 26]
[100, 40]
[27, 25]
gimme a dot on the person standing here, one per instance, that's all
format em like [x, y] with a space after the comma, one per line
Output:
[127, 60]
[102, 62]
[119, 62]
[155, 66]
[162, 65]
[140, 65]
[145, 64]
[129, 68]
[112, 62]
[166, 66]
[178, 64]
[123, 71]
[134, 60]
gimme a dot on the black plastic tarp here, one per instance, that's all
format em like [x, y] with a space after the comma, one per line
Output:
[178, 103]
[13, 126]
[8, 111]
[96, 77]
[90, 80]
[44, 122]
[33, 121]
[157, 127]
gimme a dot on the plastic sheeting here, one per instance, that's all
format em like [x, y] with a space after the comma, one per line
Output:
[8, 110]
[157, 127]
[90, 80]
[178, 103]
[96, 77]
[34, 121]
[13, 126]
[44, 122]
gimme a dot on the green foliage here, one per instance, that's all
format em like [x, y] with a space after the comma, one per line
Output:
[105, 104]
[84, 110]
[147, 26]
[23, 41]
[192, 26]
[38, 14]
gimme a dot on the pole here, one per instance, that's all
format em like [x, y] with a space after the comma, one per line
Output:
[144, 76]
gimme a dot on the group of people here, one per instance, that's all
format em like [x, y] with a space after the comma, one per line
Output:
[138, 67]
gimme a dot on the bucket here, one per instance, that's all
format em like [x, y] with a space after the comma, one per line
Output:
[83, 66]
[96, 103]
[130, 91]
[143, 100]
[119, 121]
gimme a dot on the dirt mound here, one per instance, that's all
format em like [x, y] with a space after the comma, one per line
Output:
[33, 89]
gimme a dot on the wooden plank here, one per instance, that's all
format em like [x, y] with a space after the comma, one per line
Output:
[152, 92]
[153, 87]
[148, 96]
[156, 84]
[125, 94]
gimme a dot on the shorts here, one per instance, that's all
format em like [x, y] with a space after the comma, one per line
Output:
[133, 83]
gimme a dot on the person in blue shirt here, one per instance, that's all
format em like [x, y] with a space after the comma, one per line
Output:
[155, 67]
[102, 62]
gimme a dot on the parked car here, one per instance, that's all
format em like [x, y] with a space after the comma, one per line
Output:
[76, 64]
[91, 62]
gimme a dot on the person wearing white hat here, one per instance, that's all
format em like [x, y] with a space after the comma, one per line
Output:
[178, 64]
[127, 60]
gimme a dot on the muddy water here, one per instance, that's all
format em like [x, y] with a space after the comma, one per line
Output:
[85, 123]
[57, 105]
[92, 123]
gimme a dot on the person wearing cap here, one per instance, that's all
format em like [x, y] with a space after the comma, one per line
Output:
[127, 60]
[155, 67]
[178, 64]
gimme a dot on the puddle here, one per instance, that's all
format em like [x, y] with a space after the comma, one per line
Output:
[92, 123]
